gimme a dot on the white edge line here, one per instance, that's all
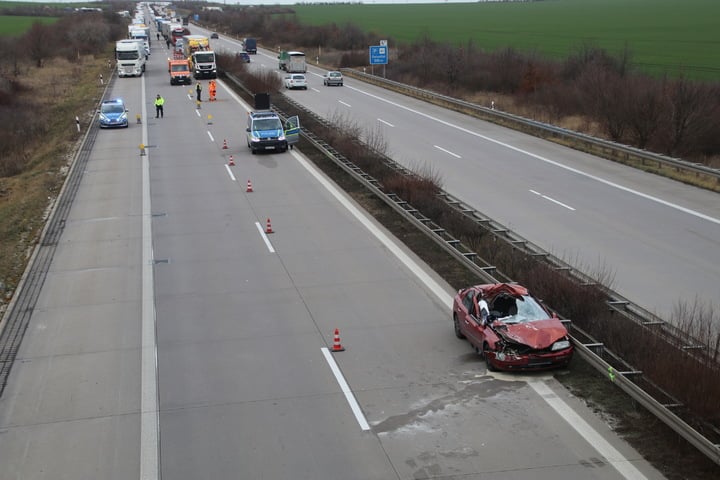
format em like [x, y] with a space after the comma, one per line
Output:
[149, 415]
[547, 160]
[212, 139]
[596, 441]
[346, 104]
[386, 123]
[435, 288]
[232, 177]
[359, 416]
[426, 279]
[264, 237]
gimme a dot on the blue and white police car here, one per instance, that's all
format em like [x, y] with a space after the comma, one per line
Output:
[113, 113]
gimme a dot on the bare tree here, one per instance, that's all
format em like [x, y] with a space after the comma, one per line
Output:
[689, 107]
[38, 41]
[644, 108]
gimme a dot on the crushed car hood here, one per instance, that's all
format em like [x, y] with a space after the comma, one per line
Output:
[537, 335]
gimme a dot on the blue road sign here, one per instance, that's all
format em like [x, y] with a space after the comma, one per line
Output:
[379, 55]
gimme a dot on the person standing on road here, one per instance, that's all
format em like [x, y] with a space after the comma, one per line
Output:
[198, 89]
[159, 102]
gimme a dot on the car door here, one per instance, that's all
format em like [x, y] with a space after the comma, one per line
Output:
[292, 130]
[470, 324]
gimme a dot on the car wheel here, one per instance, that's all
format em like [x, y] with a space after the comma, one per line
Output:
[456, 323]
[488, 363]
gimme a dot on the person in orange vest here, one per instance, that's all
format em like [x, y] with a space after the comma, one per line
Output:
[213, 90]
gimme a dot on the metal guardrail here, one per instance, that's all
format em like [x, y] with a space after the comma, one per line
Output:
[485, 270]
[580, 141]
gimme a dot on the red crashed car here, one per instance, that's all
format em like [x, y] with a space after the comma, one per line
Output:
[516, 332]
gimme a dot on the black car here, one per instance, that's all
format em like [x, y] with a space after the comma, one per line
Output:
[214, 35]
[243, 56]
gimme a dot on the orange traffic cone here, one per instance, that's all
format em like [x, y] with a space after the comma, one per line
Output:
[231, 162]
[337, 346]
[249, 187]
[225, 144]
[268, 228]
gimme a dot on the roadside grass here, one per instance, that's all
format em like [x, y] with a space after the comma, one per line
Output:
[659, 34]
[57, 93]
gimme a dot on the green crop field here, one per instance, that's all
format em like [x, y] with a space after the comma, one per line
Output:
[661, 35]
[13, 26]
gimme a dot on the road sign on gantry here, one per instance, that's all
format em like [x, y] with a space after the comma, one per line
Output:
[378, 55]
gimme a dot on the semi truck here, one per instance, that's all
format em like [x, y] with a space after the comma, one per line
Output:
[130, 55]
[178, 32]
[141, 34]
[250, 45]
[292, 62]
[200, 57]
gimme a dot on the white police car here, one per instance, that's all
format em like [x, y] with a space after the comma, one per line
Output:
[113, 113]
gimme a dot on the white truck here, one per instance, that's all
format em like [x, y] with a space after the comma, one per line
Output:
[141, 35]
[292, 62]
[130, 55]
[202, 59]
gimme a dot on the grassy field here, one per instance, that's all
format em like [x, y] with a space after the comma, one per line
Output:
[12, 26]
[672, 35]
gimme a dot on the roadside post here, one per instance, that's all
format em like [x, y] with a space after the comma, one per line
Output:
[379, 56]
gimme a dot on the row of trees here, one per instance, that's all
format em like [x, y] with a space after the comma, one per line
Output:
[73, 36]
[675, 116]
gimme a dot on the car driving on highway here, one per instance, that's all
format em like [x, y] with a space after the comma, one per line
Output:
[295, 80]
[333, 78]
[510, 328]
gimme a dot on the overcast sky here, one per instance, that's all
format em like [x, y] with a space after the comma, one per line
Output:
[292, 2]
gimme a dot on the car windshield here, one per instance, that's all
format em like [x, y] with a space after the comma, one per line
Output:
[298, 77]
[267, 124]
[519, 310]
[334, 74]
[179, 68]
[114, 108]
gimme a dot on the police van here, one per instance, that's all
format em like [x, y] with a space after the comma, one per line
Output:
[265, 130]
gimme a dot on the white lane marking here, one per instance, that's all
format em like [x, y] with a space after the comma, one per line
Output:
[386, 123]
[232, 177]
[197, 112]
[314, 89]
[444, 296]
[603, 447]
[590, 435]
[359, 416]
[360, 215]
[547, 160]
[553, 200]
[447, 151]
[149, 415]
[212, 139]
[264, 237]
[346, 104]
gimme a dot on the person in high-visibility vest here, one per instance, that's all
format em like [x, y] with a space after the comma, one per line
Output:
[159, 102]
[212, 89]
